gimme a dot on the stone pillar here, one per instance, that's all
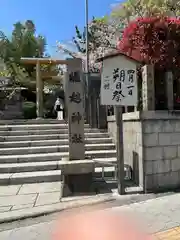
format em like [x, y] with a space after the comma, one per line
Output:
[101, 115]
[87, 109]
[90, 109]
[75, 179]
[74, 96]
[93, 105]
[39, 92]
[65, 86]
[169, 90]
[148, 89]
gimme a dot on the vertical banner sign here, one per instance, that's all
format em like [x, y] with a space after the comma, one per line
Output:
[119, 83]
[75, 96]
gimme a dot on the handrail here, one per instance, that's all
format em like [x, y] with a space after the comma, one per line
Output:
[106, 162]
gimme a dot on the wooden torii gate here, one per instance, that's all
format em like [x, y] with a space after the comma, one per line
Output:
[40, 77]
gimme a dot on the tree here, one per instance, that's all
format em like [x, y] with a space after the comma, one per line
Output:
[105, 32]
[102, 37]
[22, 43]
[132, 9]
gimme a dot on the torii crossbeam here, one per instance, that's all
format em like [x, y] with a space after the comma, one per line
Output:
[39, 78]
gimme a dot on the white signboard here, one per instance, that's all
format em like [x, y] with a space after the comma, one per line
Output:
[119, 82]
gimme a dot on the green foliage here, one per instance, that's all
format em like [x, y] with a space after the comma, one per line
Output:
[101, 20]
[22, 43]
[29, 110]
[79, 40]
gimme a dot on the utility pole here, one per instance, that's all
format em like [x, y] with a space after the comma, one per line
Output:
[87, 59]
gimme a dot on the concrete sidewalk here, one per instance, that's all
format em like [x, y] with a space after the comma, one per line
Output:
[39, 199]
[15, 197]
[30, 200]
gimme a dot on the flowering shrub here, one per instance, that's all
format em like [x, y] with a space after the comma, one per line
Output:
[153, 40]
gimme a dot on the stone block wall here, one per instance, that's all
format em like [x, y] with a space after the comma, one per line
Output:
[151, 147]
[161, 142]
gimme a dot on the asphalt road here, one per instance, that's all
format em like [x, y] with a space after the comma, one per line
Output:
[154, 214]
[47, 219]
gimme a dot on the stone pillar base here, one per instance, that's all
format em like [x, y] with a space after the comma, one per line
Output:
[77, 183]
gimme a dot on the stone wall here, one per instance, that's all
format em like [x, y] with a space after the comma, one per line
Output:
[161, 133]
[151, 147]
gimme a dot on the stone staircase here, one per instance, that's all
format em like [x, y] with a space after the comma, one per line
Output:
[31, 151]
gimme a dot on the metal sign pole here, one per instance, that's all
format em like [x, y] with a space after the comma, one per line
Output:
[119, 88]
[119, 149]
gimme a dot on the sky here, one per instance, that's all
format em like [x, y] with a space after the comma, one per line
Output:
[54, 19]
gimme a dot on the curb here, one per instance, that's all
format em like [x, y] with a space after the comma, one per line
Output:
[15, 215]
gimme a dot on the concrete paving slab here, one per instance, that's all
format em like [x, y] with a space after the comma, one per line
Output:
[40, 188]
[17, 199]
[48, 198]
[22, 206]
[9, 190]
[5, 208]
[51, 208]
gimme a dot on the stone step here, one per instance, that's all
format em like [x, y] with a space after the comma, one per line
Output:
[51, 142]
[42, 132]
[40, 157]
[52, 149]
[30, 121]
[38, 166]
[29, 167]
[12, 114]
[28, 127]
[51, 136]
[44, 176]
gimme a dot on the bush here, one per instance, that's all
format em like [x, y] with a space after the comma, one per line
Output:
[29, 110]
